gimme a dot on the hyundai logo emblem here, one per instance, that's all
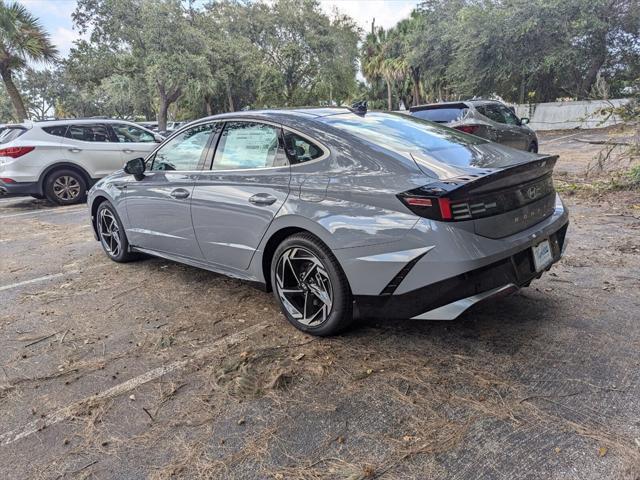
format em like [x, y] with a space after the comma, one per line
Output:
[532, 192]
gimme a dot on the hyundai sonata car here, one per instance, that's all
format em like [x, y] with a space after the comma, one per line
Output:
[340, 213]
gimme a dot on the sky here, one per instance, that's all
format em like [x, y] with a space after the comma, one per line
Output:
[55, 15]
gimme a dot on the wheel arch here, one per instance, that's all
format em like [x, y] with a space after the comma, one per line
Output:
[59, 166]
[95, 203]
[270, 248]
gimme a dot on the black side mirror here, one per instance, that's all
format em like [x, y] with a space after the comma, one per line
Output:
[135, 167]
[524, 120]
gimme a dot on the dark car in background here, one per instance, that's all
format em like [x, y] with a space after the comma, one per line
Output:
[488, 119]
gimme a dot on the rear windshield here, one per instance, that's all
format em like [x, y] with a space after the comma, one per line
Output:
[398, 132]
[10, 134]
[441, 115]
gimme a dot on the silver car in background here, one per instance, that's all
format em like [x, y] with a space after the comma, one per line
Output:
[488, 119]
[341, 213]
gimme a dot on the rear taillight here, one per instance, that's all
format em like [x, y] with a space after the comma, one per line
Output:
[7, 180]
[472, 129]
[15, 152]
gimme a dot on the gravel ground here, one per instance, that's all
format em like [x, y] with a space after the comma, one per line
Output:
[156, 370]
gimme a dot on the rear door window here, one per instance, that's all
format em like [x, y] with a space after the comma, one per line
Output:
[441, 115]
[498, 113]
[89, 133]
[58, 130]
[245, 145]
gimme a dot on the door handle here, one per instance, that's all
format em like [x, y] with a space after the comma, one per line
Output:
[75, 150]
[179, 193]
[262, 199]
[127, 150]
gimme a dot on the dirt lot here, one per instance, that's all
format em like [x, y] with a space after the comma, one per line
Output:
[154, 369]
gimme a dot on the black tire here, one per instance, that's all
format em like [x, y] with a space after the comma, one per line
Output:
[65, 187]
[340, 315]
[533, 147]
[122, 255]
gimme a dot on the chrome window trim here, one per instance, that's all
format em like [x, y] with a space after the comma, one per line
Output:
[326, 152]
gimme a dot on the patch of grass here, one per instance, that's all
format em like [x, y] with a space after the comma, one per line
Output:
[628, 180]
[634, 176]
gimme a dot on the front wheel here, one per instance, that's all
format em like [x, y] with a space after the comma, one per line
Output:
[310, 286]
[112, 235]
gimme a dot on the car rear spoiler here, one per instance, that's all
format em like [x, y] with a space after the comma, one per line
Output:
[490, 181]
[435, 106]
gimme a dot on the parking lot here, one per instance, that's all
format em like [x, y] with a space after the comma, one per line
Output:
[155, 369]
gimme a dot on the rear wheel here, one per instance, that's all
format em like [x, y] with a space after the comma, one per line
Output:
[65, 187]
[112, 235]
[310, 286]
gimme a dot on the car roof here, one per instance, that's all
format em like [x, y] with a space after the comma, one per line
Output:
[459, 104]
[284, 113]
[76, 121]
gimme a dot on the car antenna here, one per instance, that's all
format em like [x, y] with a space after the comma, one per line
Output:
[359, 108]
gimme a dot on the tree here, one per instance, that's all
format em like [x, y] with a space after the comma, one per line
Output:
[6, 109]
[39, 90]
[299, 43]
[22, 40]
[155, 40]
[373, 58]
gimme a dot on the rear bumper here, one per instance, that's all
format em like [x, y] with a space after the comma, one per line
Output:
[446, 299]
[19, 188]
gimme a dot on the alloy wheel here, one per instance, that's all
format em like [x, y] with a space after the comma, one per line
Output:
[303, 286]
[66, 187]
[109, 232]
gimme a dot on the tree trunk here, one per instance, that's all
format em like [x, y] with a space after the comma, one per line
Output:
[389, 101]
[230, 99]
[162, 114]
[590, 77]
[166, 99]
[415, 74]
[207, 106]
[14, 94]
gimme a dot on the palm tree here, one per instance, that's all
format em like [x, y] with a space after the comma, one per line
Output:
[22, 39]
[375, 63]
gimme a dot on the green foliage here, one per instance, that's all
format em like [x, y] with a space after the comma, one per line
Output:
[634, 176]
[186, 59]
[22, 40]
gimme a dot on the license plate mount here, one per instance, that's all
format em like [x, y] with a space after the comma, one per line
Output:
[542, 256]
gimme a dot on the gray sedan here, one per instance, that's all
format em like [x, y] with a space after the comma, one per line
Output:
[341, 213]
[485, 118]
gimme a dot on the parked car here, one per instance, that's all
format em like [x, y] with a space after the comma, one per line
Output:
[340, 213]
[61, 159]
[485, 118]
[153, 126]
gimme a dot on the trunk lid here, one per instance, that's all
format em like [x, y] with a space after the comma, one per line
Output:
[501, 194]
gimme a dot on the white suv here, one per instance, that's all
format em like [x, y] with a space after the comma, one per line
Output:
[60, 160]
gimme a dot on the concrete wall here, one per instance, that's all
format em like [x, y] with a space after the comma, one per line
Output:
[569, 115]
